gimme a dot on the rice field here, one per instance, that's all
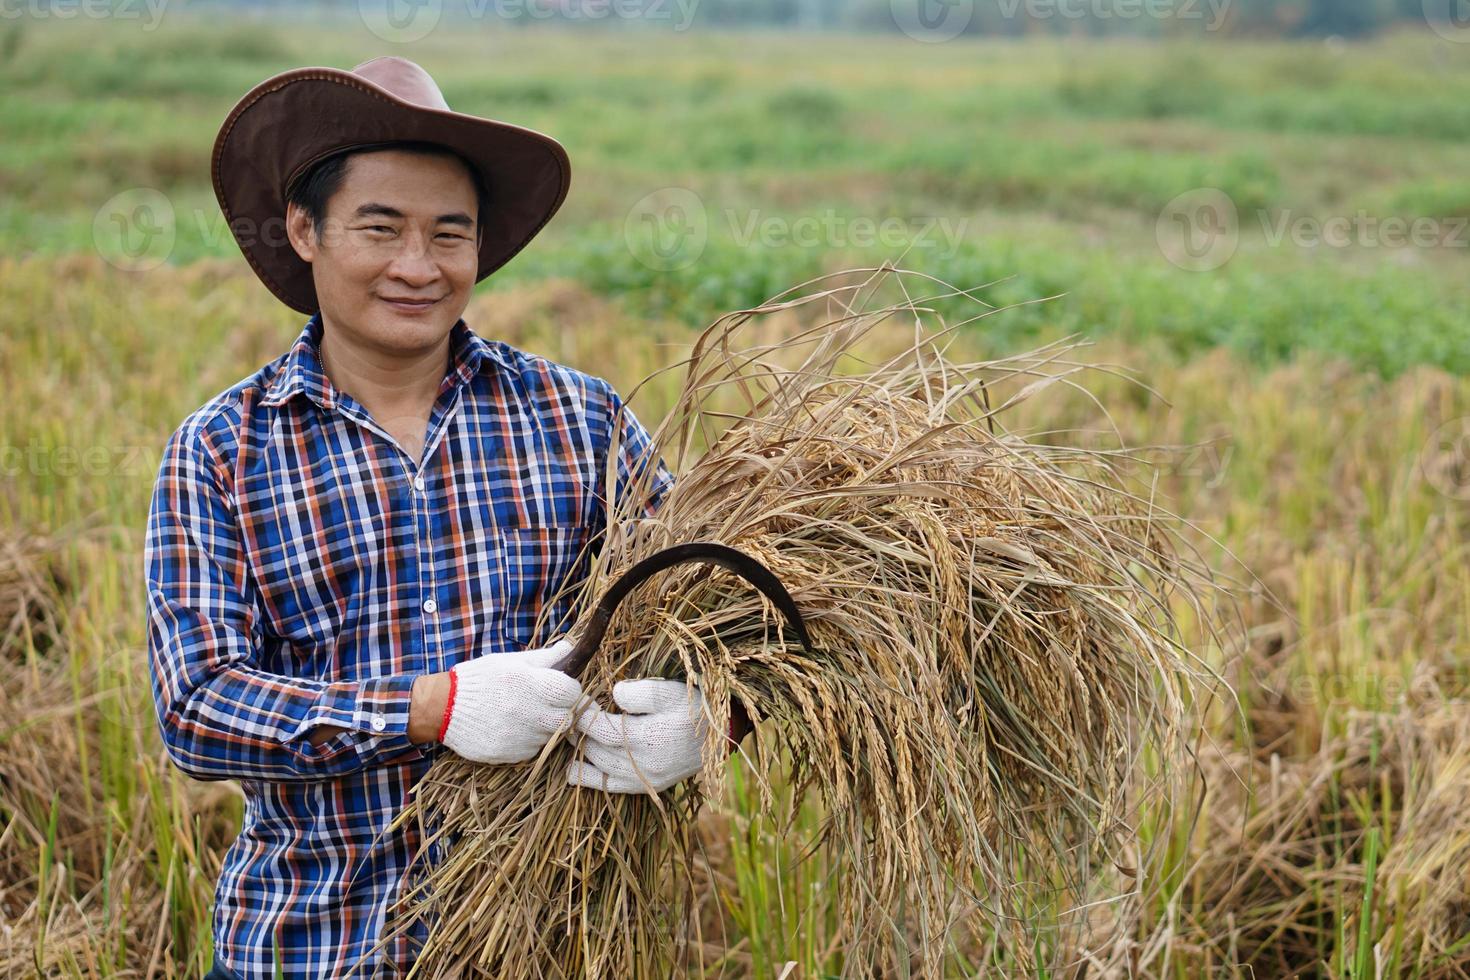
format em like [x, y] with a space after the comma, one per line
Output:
[1308, 412]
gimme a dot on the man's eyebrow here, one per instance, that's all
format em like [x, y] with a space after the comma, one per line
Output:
[374, 209]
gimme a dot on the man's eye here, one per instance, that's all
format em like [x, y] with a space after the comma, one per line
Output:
[446, 234]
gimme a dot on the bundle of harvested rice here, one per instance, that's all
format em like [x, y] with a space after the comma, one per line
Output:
[994, 664]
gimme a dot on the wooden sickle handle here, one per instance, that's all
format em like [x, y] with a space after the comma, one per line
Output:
[707, 552]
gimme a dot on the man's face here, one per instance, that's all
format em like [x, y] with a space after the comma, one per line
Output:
[400, 228]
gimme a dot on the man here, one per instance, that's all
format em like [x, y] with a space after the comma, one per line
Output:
[348, 551]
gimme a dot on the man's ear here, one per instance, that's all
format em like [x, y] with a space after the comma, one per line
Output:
[300, 232]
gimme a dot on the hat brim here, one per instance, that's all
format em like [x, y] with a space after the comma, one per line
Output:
[296, 118]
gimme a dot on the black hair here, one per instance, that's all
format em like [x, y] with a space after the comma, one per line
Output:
[311, 191]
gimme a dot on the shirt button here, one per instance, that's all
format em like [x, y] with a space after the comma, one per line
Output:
[418, 483]
[379, 723]
[430, 605]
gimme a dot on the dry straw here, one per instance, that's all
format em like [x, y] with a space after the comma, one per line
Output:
[95, 856]
[997, 683]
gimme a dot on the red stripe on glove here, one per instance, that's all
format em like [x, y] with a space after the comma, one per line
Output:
[448, 704]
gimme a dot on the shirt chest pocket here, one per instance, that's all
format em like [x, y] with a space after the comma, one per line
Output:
[543, 568]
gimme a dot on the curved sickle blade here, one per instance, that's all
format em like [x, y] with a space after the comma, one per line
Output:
[706, 552]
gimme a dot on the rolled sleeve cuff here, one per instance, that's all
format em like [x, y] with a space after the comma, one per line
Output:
[382, 705]
[374, 713]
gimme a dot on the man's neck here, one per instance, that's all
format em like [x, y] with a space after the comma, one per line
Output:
[372, 375]
[398, 390]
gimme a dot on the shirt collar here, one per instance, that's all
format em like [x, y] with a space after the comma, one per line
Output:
[301, 373]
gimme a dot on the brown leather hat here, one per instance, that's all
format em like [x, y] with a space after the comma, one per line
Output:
[294, 119]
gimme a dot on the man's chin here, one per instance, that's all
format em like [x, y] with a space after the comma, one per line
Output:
[408, 333]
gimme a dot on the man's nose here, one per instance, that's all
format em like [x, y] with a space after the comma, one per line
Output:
[414, 264]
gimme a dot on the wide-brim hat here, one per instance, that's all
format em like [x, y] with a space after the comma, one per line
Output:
[292, 120]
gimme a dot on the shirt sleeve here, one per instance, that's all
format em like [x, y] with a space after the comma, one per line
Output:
[635, 452]
[221, 716]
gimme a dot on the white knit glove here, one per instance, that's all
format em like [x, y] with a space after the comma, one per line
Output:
[503, 707]
[655, 745]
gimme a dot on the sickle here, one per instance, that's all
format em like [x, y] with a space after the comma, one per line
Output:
[707, 552]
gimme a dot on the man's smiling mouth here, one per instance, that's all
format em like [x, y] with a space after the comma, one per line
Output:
[409, 305]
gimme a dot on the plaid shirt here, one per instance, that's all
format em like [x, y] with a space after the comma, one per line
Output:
[303, 570]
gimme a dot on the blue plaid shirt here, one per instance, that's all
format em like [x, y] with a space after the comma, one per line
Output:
[303, 570]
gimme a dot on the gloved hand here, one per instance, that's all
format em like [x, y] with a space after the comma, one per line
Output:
[503, 707]
[657, 743]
